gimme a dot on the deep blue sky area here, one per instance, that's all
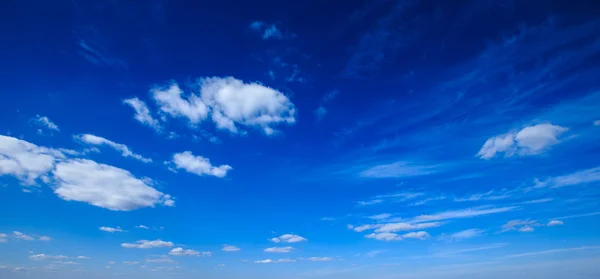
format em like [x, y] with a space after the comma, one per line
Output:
[299, 139]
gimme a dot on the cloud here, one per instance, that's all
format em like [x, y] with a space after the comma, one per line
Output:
[553, 223]
[25, 160]
[398, 169]
[490, 196]
[230, 103]
[267, 31]
[130, 263]
[553, 251]
[470, 233]
[381, 216]
[160, 259]
[464, 213]
[320, 113]
[229, 248]
[597, 123]
[41, 257]
[387, 236]
[371, 202]
[198, 165]
[111, 230]
[147, 244]
[396, 227]
[125, 151]
[580, 177]
[288, 238]
[320, 259]
[83, 258]
[3, 238]
[105, 186]
[44, 238]
[142, 113]
[142, 227]
[286, 249]
[268, 261]
[530, 140]
[46, 123]
[183, 252]
[22, 236]
[520, 225]
[321, 110]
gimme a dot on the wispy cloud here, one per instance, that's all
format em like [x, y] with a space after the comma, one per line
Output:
[98, 55]
[268, 31]
[465, 234]
[464, 213]
[99, 141]
[398, 169]
[321, 110]
[553, 251]
[45, 124]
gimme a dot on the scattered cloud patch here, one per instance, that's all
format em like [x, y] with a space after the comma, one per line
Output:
[286, 249]
[142, 227]
[520, 225]
[488, 196]
[230, 248]
[530, 140]
[381, 216]
[321, 110]
[111, 230]
[198, 165]
[267, 31]
[142, 113]
[130, 263]
[26, 161]
[42, 257]
[398, 169]
[464, 213]
[105, 186]
[320, 259]
[44, 238]
[553, 251]
[288, 238]
[147, 244]
[43, 122]
[269, 261]
[3, 238]
[22, 236]
[83, 258]
[99, 141]
[183, 252]
[553, 223]
[597, 123]
[466, 234]
[387, 236]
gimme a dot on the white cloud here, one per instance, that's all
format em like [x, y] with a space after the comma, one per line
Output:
[553, 223]
[111, 230]
[22, 236]
[371, 202]
[142, 113]
[83, 258]
[520, 225]
[130, 263]
[288, 238]
[44, 238]
[3, 237]
[47, 257]
[25, 160]
[381, 216]
[320, 113]
[198, 165]
[105, 186]
[45, 122]
[125, 151]
[530, 140]
[160, 259]
[464, 213]
[553, 251]
[490, 196]
[320, 259]
[147, 244]
[422, 235]
[580, 177]
[183, 252]
[229, 248]
[387, 236]
[171, 102]
[395, 227]
[268, 261]
[286, 249]
[397, 169]
[142, 227]
[470, 233]
[597, 123]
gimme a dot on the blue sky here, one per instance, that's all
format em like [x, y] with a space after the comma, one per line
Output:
[314, 139]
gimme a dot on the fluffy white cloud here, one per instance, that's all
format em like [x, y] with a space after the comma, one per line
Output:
[286, 249]
[198, 165]
[111, 230]
[142, 113]
[553, 223]
[125, 151]
[22, 236]
[105, 186]
[45, 122]
[183, 252]
[25, 160]
[147, 244]
[530, 140]
[268, 261]
[320, 259]
[229, 248]
[47, 257]
[288, 238]
[230, 103]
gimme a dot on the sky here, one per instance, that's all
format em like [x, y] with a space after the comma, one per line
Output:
[299, 139]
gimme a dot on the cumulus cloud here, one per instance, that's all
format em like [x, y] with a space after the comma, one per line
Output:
[229, 103]
[286, 249]
[229, 248]
[183, 252]
[111, 230]
[530, 140]
[40, 257]
[45, 123]
[142, 113]
[22, 236]
[105, 186]
[125, 151]
[25, 160]
[147, 244]
[268, 261]
[198, 165]
[288, 238]
[553, 223]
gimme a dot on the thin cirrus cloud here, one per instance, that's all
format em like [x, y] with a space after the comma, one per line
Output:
[147, 244]
[388, 236]
[530, 140]
[142, 113]
[398, 169]
[269, 261]
[42, 257]
[198, 165]
[45, 123]
[266, 30]
[230, 248]
[465, 234]
[100, 141]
